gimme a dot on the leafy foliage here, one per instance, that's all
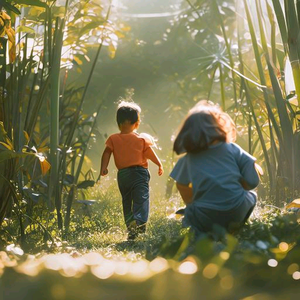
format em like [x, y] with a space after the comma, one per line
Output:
[29, 87]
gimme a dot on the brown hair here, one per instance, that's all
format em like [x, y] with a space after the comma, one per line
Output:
[127, 111]
[204, 124]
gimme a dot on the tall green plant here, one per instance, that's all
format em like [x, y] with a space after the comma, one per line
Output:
[34, 82]
[262, 96]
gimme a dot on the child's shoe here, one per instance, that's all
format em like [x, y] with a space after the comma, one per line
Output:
[132, 231]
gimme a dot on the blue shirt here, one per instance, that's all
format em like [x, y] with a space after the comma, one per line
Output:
[216, 174]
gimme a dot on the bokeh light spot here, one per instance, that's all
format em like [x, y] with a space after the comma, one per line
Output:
[296, 275]
[293, 268]
[159, 264]
[272, 263]
[93, 258]
[224, 255]
[122, 268]
[105, 270]
[283, 246]
[188, 267]
[210, 271]
[227, 282]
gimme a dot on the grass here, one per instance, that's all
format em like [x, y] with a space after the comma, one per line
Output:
[261, 262]
[101, 226]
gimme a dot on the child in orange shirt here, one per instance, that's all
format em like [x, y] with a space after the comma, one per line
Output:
[131, 152]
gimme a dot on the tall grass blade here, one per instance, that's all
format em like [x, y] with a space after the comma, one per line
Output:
[285, 122]
[261, 74]
[222, 88]
[281, 23]
[244, 86]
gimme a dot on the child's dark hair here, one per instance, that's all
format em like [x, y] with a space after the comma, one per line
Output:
[128, 111]
[204, 124]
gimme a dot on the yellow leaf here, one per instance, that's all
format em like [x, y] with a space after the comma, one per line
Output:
[112, 50]
[78, 60]
[8, 141]
[11, 35]
[119, 34]
[5, 27]
[12, 53]
[43, 147]
[6, 146]
[125, 28]
[294, 204]
[45, 166]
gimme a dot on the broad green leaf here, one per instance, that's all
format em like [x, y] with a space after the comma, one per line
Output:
[91, 25]
[25, 29]
[85, 184]
[6, 154]
[8, 7]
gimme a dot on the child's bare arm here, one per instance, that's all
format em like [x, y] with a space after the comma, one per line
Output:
[150, 154]
[185, 192]
[105, 161]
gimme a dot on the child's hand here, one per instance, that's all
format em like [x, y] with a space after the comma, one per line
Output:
[245, 185]
[160, 171]
[104, 172]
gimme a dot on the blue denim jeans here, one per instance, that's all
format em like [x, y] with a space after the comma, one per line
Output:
[134, 187]
[202, 219]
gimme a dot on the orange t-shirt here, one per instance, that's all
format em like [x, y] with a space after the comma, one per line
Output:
[128, 149]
